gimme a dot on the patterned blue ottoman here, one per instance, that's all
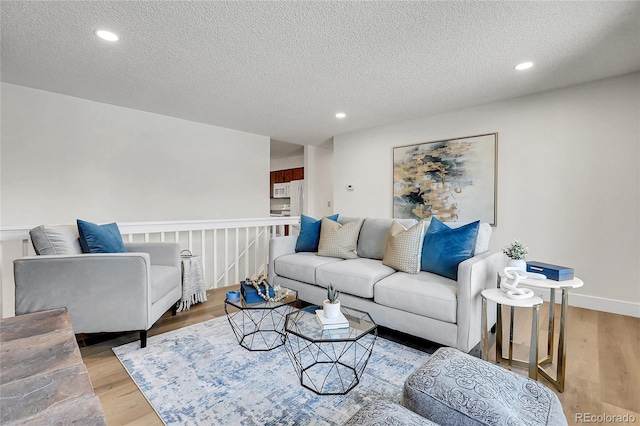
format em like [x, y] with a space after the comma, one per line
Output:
[378, 413]
[453, 388]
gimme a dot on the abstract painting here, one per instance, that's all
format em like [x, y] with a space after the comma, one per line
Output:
[453, 180]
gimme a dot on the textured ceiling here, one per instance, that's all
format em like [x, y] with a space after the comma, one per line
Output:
[283, 69]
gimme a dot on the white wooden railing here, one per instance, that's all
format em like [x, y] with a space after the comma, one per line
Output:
[231, 249]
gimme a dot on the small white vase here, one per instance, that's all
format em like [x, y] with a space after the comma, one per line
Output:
[521, 264]
[331, 310]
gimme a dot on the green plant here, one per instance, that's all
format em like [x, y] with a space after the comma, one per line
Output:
[332, 294]
[516, 250]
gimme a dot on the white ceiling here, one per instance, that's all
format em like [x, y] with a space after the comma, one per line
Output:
[283, 69]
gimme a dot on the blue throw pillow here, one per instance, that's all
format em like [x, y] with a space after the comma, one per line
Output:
[100, 238]
[310, 233]
[444, 248]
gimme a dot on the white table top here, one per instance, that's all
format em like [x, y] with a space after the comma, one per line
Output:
[498, 296]
[550, 284]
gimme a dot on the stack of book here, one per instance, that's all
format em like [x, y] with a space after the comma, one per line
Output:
[331, 323]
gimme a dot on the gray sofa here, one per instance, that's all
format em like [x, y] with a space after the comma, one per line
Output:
[426, 305]
[105, 292]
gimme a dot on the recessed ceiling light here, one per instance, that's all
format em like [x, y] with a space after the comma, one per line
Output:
[106, 35]
[524, 66]
[341, 115]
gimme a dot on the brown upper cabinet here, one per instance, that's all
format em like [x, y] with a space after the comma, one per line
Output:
[282, 176]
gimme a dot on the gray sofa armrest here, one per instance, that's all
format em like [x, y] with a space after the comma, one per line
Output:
[167, 254]
[474, 275]
[279, 246]
[120, 281]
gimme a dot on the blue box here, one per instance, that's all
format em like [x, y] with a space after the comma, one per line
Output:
[553, 272]
[250, 294]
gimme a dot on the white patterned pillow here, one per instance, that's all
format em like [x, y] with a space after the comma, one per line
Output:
[339, 240]
[404, 247]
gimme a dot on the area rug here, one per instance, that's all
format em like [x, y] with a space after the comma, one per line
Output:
[199, 375]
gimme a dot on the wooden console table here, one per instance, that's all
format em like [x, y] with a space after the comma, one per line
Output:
[42, 377]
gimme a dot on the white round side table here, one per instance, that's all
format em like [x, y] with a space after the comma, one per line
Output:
[498, 296]
[561, 360]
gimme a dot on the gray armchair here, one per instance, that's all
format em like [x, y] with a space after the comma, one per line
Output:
[102, 292]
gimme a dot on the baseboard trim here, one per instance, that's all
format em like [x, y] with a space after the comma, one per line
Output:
[602, 304]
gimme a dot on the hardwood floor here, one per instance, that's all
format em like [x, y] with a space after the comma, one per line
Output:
[603, 365]
[602, 378]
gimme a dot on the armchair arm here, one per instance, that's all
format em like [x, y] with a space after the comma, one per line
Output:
[119, 282]
[474, 275]
[279, 246]
[167, 254]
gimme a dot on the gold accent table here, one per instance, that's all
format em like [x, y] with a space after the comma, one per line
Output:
[561, 362]
[498, 296]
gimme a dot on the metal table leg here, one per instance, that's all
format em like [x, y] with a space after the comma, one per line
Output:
[532, 364]
[558, 381]
[533, 350]
[499, 334]
[485, 332]
[511, 317]
[548, 358]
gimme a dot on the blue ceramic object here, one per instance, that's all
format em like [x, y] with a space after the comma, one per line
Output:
[233, 295]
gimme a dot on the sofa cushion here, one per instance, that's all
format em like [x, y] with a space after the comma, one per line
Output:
[301, 266]
[163, 280]
[404, 248]
[338, 240]
[484, 234]
[423, 294]
[444, 248]
[354, 276]
[373, 236]
[310, 233]
[62, 239]
[100, 238]
[343, 220]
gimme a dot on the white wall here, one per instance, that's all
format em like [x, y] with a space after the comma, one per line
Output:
[568, 180]
[65, 158]
[319, 180]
